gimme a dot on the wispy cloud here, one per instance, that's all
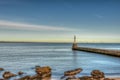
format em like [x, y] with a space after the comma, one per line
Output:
[26, 26]
[99, 16]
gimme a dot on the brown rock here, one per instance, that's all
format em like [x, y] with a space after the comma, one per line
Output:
[1, 69]
[20, 73]
[72, 78]
[96, 74]
[108, 79]
[35, 77]
[72, 72]
[85, 78]
[43, 71]
[7, 75]
[25, 78]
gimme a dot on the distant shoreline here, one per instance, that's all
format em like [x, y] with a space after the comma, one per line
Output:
[58, 42]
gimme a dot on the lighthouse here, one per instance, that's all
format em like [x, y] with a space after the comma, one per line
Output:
[74, 43]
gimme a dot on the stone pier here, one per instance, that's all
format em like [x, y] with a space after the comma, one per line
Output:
[95, 50]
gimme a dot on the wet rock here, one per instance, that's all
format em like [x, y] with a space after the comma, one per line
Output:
[97, 74]
[72, 78]
[35, 77]
[20, 73]
[38, 77]
[108, 79]
[85, 78]
[1, 69]
[37, 66]
[7, 75]
[25, 78]
[43, 71]
[72, 72]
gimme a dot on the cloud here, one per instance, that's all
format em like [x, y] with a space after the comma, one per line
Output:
[99, 16]
[26, 26]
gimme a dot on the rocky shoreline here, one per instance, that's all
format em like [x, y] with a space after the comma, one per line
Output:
[45, 73]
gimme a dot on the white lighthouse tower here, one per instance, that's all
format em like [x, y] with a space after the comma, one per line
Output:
[74, 44]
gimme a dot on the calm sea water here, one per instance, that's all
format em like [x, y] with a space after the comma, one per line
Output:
[24, 57]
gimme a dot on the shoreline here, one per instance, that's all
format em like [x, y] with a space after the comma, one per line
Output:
[52, 77]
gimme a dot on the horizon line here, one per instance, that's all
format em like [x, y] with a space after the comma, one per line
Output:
[49, 42]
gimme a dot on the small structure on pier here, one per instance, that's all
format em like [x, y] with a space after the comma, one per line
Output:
[74, 44]
[95, 50]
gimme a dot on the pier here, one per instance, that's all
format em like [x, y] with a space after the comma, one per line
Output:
[95, 50]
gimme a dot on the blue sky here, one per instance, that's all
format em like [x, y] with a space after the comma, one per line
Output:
[59, 20]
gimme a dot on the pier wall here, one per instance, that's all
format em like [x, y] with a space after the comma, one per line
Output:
[101, 51]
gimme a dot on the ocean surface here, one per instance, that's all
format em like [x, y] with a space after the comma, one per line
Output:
[24, 57]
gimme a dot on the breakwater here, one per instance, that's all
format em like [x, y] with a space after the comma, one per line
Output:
[96, 50]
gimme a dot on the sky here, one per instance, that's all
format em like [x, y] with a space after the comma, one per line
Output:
[59, 20]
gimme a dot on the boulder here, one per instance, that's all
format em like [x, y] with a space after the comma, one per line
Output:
[34, 77]
[25, 78]
[8, 74]
[72, 72]
[85, 78]
[108, 79]
[20, 73]
[1, 69]
[97, 74]
[43, 71]
[72, 78]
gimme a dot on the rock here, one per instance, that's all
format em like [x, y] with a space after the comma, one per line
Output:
[43, 71]
[37, 66]
[35, 77]
[1, 69]
[85, 78]
[72, 78]
[7, 75]
[20, 73]
[96, 74]
[72, 72]
[25, 78]
[108, 79]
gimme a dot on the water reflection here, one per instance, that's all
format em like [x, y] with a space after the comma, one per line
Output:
[74, 57]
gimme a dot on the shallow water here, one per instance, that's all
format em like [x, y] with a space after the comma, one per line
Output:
[25, 56]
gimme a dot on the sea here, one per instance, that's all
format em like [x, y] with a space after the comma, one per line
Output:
[60, 57]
